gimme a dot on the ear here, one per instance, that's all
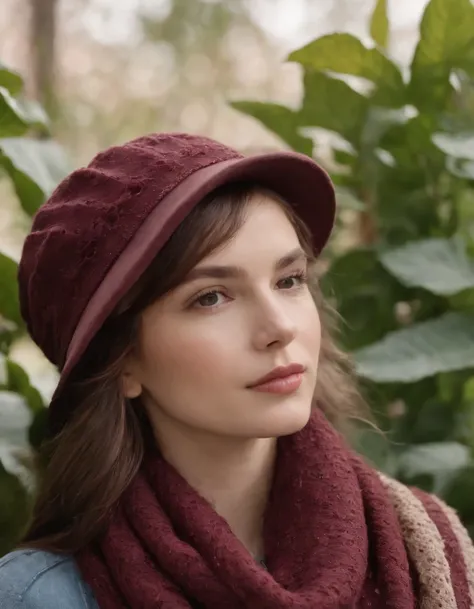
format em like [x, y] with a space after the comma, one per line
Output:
[131, 386]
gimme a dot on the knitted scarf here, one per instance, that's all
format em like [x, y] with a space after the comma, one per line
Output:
[331, 535]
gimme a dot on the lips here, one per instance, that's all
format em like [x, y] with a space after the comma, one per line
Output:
[279, 373]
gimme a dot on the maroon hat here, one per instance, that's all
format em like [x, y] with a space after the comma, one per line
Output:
[105, 223]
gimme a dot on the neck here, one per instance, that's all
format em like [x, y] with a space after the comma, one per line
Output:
[233, 475]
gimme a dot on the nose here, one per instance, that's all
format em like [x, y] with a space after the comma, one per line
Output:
[275, 327]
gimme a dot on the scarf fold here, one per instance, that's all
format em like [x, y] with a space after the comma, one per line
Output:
[331, 538]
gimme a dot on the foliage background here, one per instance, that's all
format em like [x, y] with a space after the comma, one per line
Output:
[396, 133]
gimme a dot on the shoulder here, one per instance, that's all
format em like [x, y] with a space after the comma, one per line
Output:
[35, 579]
[436, 540]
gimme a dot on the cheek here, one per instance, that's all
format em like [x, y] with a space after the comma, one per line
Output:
[193, 355]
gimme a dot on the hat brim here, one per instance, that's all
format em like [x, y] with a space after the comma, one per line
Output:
[295, 177]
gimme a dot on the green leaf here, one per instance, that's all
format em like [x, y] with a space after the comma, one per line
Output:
[438, 265]
[281, 120]
[417, 157]
[12, 120]
[35, 166]
[19, 382]
[376, 448]
[364, 293]
[462, 301]
[15, 418]
[347, 200]
[465, 214]
[429, 420]
[460, 168]
[14, 509]
[379, 23]
[446, 41]
[380, 121]
[459, 145]
[17, 465]
[468, 390]
[9, 303]
[343, 156]
[3, 371]
[33, 114]
[18, 114]
[331, 104]
[345, 54]
[460, 494]
[39, 428]
[419, 351]
[10, 80]
[15, 421]
[466, 407]
[441, 461]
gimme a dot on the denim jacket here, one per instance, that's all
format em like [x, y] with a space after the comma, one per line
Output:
[34, 579]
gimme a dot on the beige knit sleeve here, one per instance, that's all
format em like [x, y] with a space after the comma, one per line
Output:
[464, 540]
[425, 547]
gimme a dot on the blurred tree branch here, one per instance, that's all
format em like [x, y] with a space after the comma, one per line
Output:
[42, 42]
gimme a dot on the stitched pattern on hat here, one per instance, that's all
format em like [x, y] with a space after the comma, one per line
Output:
[81, 230]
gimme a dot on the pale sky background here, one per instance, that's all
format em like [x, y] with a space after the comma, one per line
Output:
[284, 19]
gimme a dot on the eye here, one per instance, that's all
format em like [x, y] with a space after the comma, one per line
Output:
[207, 300]
[293, 281]
[216, 298]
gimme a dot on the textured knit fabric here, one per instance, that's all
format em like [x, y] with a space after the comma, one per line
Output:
[33, 579]
[336, 535]
[80, 231]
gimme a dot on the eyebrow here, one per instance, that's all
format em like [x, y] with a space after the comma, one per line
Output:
[235, 272]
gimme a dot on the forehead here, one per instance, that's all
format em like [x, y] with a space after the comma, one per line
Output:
[266, 240]
[265, 229]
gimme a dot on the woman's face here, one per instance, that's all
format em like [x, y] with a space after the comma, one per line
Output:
[242, 311]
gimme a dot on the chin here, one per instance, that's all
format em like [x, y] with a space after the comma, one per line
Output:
[283, 419]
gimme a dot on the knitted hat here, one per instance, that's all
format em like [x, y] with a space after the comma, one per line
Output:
[105, 223]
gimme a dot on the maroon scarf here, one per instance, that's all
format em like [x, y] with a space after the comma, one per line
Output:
[331, 538]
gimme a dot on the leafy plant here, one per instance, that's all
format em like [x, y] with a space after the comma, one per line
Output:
[34, 164]
[403, 147]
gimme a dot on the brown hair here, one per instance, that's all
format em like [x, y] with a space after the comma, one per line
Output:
[89, 464]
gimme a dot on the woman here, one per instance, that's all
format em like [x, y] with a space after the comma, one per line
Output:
[195, 457]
